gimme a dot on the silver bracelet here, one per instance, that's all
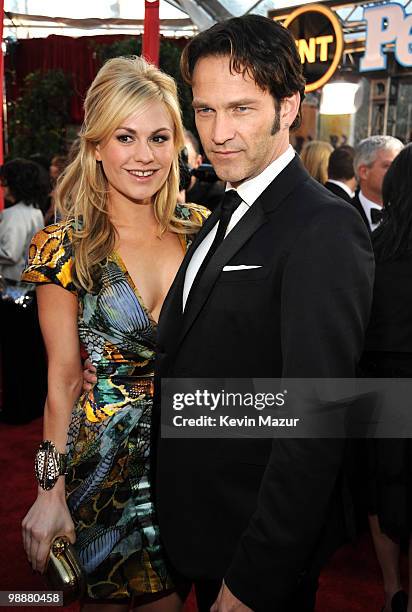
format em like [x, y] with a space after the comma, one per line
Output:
[49, 464]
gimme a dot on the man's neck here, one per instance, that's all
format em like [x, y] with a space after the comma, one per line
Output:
[251, 189]
[372, 196]
[351, 183]
[346, 185]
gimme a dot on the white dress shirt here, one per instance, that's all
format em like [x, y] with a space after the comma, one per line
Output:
[343, 186]
[249, 191]
[367, 206]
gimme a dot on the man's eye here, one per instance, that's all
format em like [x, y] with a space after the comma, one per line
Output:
[204, 111]
[124, 138]
[242, 109]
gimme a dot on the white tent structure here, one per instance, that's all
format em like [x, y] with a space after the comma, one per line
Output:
[39, 18]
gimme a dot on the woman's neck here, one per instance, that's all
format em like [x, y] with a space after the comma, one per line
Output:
[129, 214]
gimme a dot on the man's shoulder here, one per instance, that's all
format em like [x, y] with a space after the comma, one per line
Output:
[313, 198]
[21, 214]
[338, 190]
[12, 212]
[317, 215]
[303, 202]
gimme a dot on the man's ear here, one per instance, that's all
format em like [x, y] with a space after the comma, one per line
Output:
[97, 153]
[363, 172]
[289, 108]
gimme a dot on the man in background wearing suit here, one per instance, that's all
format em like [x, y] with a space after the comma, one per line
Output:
[373, 156]
[341, 175]
[278, 283]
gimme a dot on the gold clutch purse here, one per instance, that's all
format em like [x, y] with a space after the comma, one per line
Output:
[64, 571]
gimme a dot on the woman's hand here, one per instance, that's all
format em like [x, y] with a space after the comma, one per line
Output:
[89, 375]
[48, 517]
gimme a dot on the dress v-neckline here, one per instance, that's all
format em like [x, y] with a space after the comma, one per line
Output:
[120, 262]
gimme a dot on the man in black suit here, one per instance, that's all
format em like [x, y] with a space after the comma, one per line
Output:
[278, 283]
[341, 175]
[373, 156]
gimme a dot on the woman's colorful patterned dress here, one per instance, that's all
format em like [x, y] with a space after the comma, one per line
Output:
[108, 486]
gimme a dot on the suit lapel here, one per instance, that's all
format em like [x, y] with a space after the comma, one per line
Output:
[172, 309]
[358, 205]
[243, 230]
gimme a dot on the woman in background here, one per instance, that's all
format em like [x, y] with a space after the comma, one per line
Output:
[388, 354]
[103, 274]
[315, 157]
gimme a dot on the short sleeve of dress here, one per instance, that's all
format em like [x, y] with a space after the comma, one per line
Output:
[50, 258]
[194, 213]
[199, 213]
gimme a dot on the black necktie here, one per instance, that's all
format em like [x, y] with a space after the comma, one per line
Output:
[230, 202]
[376, 215]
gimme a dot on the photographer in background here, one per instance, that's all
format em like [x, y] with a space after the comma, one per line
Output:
[205, 187]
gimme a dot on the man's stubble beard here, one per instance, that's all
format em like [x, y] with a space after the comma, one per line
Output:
[276, 123]
[273, 131]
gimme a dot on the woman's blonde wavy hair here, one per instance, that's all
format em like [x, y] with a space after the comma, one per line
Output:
[315, 157]
[122, 87]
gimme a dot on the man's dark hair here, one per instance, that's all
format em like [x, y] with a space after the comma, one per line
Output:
[340, 166]
[27, 181]
[257, 46]
[393, 237]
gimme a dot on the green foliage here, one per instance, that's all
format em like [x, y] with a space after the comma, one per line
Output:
[126, 46]
[38, 118]
[169, 61]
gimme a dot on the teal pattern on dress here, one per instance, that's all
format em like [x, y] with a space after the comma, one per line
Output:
[108, 485]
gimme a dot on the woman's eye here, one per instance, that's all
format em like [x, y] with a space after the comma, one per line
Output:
[125, 138]
[160, 138]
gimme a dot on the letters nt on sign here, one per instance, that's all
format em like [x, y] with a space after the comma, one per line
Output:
[386, 24]
[307, 50]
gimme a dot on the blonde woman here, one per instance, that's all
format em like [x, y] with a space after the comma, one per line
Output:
[102, 276]
[315, 157]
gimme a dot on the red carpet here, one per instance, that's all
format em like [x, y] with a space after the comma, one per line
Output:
[350, 583]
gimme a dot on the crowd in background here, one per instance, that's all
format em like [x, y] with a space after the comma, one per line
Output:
[375, 178]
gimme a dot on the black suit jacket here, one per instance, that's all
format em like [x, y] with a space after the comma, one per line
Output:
[390, 324]
[356, 203]
[256, 511]
[338, 191]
